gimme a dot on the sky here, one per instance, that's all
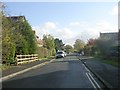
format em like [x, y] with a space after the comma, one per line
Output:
[68, 20]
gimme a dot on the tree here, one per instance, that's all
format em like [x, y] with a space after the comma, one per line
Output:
[79, 45]
[8, 45]
[17, 38]
[105, 47]
[90, 48]
[25, 34]
[29, 36]
[59, 44]
[68, 48]
[21, 45]
[48, 42]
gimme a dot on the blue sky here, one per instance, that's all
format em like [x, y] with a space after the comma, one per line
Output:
[68, 21]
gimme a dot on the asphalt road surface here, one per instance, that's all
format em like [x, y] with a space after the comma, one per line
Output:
[68, 72]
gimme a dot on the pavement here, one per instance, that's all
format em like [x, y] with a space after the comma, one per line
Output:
[108, 73]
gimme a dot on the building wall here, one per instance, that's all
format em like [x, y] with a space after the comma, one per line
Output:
[110, 36]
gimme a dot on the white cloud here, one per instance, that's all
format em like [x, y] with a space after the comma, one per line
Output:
[75, 30]
[49, 25]
[115, 10]
[75, 24]
[65, 33]
[106, 27]
[45, 28]
[53, 29]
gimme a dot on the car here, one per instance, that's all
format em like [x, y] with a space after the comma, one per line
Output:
[60, 54]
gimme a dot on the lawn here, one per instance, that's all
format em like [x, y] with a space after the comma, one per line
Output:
[4, 66]
[110, 60]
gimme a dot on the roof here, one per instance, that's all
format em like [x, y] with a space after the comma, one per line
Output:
[16, 18]
[111, 35]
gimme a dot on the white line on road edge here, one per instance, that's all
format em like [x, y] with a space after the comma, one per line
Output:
[95, 81]
[91, 77]
[91, 81]
[23, 71]
[85, 68]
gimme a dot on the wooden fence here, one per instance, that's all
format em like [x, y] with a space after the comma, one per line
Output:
[22, 59]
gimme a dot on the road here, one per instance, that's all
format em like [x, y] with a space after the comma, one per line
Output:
[68, 72]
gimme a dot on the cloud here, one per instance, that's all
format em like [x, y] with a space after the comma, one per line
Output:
[75, 30]
[86, 30]
[75, 24]
[115, 10]
[53, 29]
[106, 27]
[65, 33]
[45, 28]
[49, 25]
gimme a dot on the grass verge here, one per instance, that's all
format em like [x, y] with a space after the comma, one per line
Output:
[110, 60]
[51, 57]
[4, 66]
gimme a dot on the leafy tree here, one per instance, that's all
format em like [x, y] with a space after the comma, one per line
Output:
[48, 42]
[68, 48]
[59, 44]
[23, 31]
[8, 46]
[42, 52]
[79, 45]
[21, 44]
[18, 38]
[104, 46]
[89, 48]
[29, 36]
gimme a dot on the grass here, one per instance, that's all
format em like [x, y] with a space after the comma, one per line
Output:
[111, 60]
[43, 58]
[4, 66]
[51, 57]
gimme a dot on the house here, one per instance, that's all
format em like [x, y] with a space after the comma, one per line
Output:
[17, 18]
[112, 36]
[39, 42]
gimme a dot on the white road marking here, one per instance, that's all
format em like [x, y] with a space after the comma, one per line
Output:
[91, 77]
[95, 81]
[85, 68]
[91, 81]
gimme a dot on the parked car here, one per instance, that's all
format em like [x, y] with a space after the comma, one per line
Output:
[60, 54]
